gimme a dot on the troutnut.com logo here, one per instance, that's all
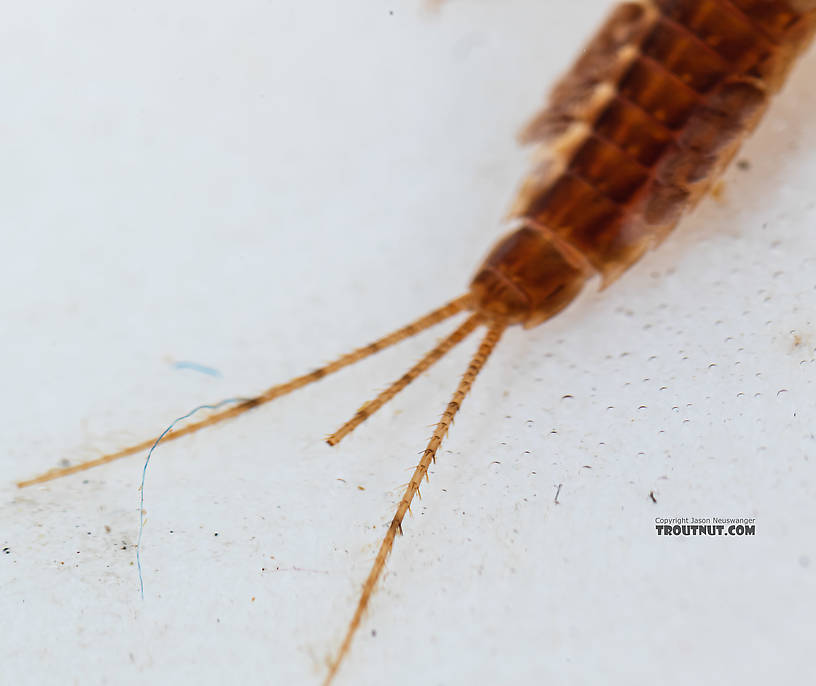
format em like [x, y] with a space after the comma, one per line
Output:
[705, 526]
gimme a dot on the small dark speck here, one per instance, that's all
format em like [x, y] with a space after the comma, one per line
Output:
[215, 534]
[391, 12]
[7, 551]
[374, 631]
[652, 496]
[743, 165]
[107, 529]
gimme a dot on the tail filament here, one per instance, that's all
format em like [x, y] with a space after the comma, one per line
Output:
[429, 320]
[489, 342]
[423, 365]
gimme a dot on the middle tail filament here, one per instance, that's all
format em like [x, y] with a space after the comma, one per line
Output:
[430, 358]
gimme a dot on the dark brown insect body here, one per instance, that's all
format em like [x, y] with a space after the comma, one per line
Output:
[632, 137]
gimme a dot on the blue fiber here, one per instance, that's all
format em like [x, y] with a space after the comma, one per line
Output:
[144, 474]
[195, 366]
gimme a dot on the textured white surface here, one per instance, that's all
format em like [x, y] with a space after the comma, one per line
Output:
[261, 186]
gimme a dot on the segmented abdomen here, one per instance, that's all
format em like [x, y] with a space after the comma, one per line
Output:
[649, 115]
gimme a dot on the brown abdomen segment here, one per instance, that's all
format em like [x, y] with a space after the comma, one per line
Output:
[647, 118]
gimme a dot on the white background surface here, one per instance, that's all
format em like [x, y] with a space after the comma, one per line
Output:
[260, 186]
